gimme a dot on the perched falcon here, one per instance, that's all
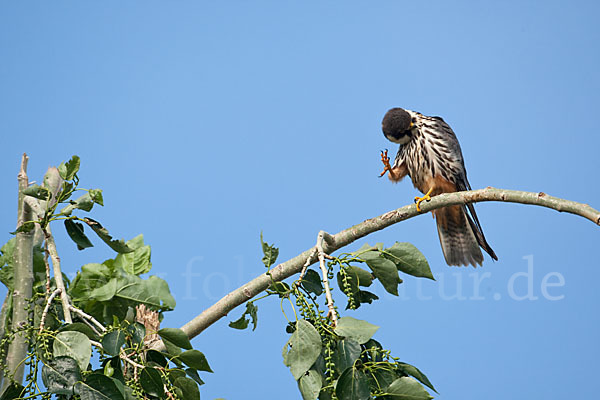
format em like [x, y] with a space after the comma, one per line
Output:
[430, 154]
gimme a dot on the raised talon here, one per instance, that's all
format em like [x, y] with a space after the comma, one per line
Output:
[386, 162]
[419, 200]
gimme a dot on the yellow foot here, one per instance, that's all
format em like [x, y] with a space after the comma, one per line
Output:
[419, 200]
[386, 163]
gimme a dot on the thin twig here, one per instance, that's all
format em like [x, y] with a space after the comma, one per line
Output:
[124, 357]
[135, 365]
[308, 262]
[332, 313]
[347, 236]
[88, 317]
[48, 304]
[58, 279]
[92, 327]
[169, 394]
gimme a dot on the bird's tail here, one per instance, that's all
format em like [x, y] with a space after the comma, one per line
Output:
[458, 238]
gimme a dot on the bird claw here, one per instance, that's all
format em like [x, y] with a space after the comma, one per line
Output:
[386, 162]
[419, 200]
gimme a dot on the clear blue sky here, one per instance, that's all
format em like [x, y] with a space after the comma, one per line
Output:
[207, 122]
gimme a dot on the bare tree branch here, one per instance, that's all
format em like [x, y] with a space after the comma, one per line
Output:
[347, 236]
[3, 325]
[87, 317]
[332, 313]
[58, 278]
[47, 308]
[23, 283]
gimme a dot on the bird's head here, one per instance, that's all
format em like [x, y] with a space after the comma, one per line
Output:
[397, 126]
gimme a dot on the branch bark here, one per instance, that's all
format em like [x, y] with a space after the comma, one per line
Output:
[58, 278]
[23, 283]
[286, 269]
[332, 314]
[3, 321]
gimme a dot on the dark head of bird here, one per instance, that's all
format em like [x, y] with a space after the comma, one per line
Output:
[396, 126]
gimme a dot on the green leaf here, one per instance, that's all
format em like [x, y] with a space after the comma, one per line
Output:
[172, 350]
[409, 260]
[129, 395]
[175, 373]
[96, 196]
[346, 353]
[312, 282]
[7, 268]
[75, 345]
[355, 329]
[84, 202]
[175, 336]
[6, 264]
[281, 288]
[86, 392]
[75, 232]
[25, 227]
[195, 359]
[242, 322]
[66, 191]
[14, 391]
[68, 170]
[112, 368]
[105, 292]
[99, 386]
[137, 331]
[353, 385]
[374, 349]
[156, 357]
[151, 382]
[188, 387]
[384, 270]
[364, 277]
[37, 191]
[310, 384]
[60, 374]
[383, 376]
[108, 369]
[407, 388]
[91, 282]
[367, 297]
[113, 341]
[415, 373]
[192, 373]
[270, 252]
[153, 291]
[364, 248]
[99, 282]
[138, 261]
[305, 347]
[52, 181]
[117, 245]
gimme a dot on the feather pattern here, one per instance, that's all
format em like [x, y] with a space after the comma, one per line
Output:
[433, 159]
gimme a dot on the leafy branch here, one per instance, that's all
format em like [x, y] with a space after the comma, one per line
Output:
[118, 312]
[331, 356]
[337, 358]
[341, 239]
